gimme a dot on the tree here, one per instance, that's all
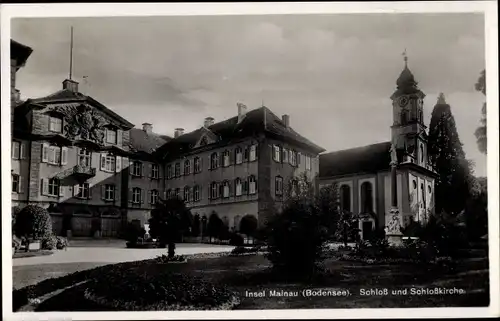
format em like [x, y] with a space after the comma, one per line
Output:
[214, 226]
[248, 225]
[347, 227]
[480, 132]
[446, 153]
[297, 236]
[33, 222]
[168, 221]
[195, 230]
[476, 211]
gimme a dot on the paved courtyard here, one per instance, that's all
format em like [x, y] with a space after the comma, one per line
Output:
[85, 254]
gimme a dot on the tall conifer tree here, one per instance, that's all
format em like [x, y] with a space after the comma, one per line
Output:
[481, 130]
[447, 155]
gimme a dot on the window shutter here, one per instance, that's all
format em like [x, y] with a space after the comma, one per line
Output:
[117, 192]
[164, 195]
[142, 196]
[103, 192]
[75, 190]
[130, 195]
[201, 163]
[13, 150]
[119, 138]
[210, 161]
[22, 151]
[149, 197]
[142, 170]
[298, 158]
[103, 162]
[45, 186]
[209, 191]
[64, 155]
[150, 170]
[20, 186]
[45, 153]
[131, 167]
[256, 146]
[91, 186]
[231, 192]
[118, 164]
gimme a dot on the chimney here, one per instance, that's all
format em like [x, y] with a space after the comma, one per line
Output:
[147, 127]
[242, 110]
[286, 120]
[178, 132]
[209, 121]
[70, 85]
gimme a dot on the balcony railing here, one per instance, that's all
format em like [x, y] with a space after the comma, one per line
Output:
[77, 170]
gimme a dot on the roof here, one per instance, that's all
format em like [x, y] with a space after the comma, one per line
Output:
[66, 95]
[370, 158]
[140, 141]
[260, 120]
[19, 52]
[406, 83]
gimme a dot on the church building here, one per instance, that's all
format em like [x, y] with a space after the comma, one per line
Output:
[363, 174]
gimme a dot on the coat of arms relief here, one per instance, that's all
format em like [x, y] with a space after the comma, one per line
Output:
[83, 122]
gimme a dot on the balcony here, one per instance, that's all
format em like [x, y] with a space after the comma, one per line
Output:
[78, 171]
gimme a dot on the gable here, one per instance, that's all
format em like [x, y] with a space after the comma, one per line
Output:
[207, 137]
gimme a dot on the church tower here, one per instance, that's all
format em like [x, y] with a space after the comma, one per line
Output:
[408, 129]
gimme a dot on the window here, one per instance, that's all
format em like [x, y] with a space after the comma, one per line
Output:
[423, 193]
[177, 169]
[239, 155]
[55, 124]
[214, 190]
[154, 197]
[253, 153]
[279, 185]
[111, 136]
[225, 189]
[197, 165]
[293, 158]
[196, 193]
[136, 195]
[429, 189]
[214, 160]
[276, 153]
[52, 154]
[366, 197]
[16, 150]
[169, 171]
[414, 184]
[137, 168]
[345, 198]
[15, 183]
[169, 194]
[83, 190]
[246, 154]
[422, 153]
[294, 187]
[285, 155]
[53, 188]
[177, 193]
[187, 194]
[109, 192]
[252, 185]
[84, 157]
[155, 171]
[308, 162]
[238, 187]
[187, 167]
[226, 160]
[108, 163]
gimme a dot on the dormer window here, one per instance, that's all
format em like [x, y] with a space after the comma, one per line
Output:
[55, 124]
[110, 136]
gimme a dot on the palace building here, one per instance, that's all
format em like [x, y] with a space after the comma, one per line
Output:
[94, 171]
[363, 174]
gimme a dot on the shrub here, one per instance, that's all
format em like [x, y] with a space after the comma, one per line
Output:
[236, 239]
[61, 243]
[214, 226]
[33, 222]
[16, 243]
[49, 242]
[248, 225]
[165, 258]
[239, 250]
[15, 212]
[133, 232]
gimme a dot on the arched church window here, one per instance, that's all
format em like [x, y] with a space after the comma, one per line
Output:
[366, 197]
[345, 198]
[420, 115]
[422, 153]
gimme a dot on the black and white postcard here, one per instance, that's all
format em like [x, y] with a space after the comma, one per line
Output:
[276, 160]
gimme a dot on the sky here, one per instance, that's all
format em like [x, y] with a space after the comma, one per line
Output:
[333, 74]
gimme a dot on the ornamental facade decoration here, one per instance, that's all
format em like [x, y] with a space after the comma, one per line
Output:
[83, 122]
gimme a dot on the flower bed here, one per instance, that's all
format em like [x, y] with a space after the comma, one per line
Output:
[133, 289]
[165, 259]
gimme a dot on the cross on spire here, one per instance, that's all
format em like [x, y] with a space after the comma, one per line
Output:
[405, 58]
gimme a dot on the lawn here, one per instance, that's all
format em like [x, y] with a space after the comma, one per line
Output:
[246, 274]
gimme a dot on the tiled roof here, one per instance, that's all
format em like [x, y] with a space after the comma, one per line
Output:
[63, 94]
[19, 52]
[370, 158]
[140, 141]
[260, 120]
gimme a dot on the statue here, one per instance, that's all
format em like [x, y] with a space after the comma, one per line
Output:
[394, 156]
[394, 225]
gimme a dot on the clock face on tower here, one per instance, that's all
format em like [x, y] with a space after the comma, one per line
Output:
[403, 101]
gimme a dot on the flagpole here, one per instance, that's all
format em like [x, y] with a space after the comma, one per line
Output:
[71, 55]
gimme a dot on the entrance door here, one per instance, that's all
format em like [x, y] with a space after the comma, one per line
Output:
[367, 229]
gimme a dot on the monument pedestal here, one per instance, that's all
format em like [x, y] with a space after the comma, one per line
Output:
[393, 228]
